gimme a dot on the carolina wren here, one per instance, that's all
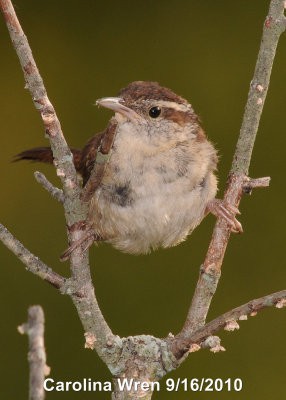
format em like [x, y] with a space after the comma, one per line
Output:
[159, 182]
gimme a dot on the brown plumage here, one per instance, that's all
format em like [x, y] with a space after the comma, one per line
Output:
[141, 90]
[40, 154]
[158, 183]
[136, 91]
[83, 159]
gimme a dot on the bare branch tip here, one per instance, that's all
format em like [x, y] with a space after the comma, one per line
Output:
[253, 183]
[55, 192]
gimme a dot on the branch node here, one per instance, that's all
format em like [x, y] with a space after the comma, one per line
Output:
[213, 343]
[90, 339]
[68, 287]
[73, 287]
[281, 303]
[259, 88]
[22, 329]
[217, 348]
[210, 342]
[194, 347]
[251, 184]
[231, 325]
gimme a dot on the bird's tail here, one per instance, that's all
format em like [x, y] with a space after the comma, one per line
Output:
[45, 155]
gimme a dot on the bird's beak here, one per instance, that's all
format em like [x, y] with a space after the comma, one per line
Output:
[116, 104]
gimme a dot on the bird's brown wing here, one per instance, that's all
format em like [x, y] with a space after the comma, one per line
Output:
[95, 160]
[83, 159]
[88, 156]
[45, 155]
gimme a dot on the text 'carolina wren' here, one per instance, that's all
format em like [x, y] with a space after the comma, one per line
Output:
[159, 182]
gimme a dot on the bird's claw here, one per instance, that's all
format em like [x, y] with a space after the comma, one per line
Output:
[83, 243]
[226, 211]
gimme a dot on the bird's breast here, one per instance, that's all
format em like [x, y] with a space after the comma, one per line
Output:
[148, 199]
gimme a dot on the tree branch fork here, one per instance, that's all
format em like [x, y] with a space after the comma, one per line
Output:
[180, 344]
[116, 351]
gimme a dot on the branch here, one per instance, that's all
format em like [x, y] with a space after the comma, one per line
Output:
[146, 355]
[251, 184]
[80, 289]
[227, 320]
[34, 328]
[79, 286]
[54, 191]
[273, 27]
[238, 179]
[63, 158]
[33, 263]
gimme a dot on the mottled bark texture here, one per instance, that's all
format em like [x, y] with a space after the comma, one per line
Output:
[238, 181]
[144, 357]
[33, 263]
[79, 285]
[34, 328]
[54, 191]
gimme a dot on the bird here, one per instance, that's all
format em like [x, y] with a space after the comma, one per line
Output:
[160, 180]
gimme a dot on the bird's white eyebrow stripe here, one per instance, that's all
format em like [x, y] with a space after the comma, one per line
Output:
[173, 104]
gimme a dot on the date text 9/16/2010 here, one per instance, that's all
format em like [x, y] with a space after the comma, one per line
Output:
[193, 385]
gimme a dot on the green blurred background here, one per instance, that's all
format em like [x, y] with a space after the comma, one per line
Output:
[206, 52]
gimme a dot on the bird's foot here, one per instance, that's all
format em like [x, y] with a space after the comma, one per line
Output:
[84, 242]
[226, 211]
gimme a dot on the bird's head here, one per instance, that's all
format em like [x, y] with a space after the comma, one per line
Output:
[153, 109]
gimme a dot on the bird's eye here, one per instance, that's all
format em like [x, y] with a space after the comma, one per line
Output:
[154, 112]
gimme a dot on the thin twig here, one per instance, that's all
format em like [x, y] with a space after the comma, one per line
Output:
[273, 27]
[34, 328]
[33, 263]
[210, 270]
[54, 191]
[255, 183]
[226, 320]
